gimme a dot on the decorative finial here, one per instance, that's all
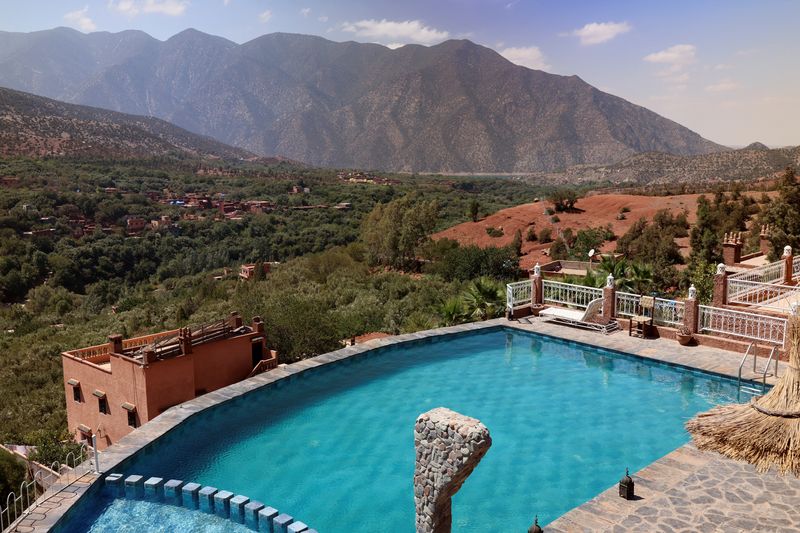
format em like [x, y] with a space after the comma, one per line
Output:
[537, 270]
[721, 269]
[795, 307]
[610, 281]
[787, 251]
[692, 292]
[535, 528]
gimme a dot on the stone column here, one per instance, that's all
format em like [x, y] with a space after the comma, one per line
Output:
[732, 248]
[691, 311]
[764, 243]
[537, 289]
[449, 446]
[185, 340]
[116, 343]
[720, 297]
[788, 258]
[609, 299]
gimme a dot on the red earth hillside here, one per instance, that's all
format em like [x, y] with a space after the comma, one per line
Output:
[598, 210]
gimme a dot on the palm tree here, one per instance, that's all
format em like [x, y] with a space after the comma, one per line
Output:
[483, 299]
[451, 312]
[616, 266]
[640, 277]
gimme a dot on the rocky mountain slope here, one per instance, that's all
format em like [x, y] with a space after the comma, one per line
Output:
[755, 161]
[36, 126]
[453, 107]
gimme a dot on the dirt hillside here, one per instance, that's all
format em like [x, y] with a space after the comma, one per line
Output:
[594, 211]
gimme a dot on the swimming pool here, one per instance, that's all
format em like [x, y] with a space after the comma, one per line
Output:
[335, 446]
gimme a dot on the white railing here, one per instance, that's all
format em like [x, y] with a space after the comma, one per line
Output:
[761, 294]
[518, 294]
[17, 504]
[770, 273]
[665, 312]
[668, 313]
[569, 295]
[763, 328]
[627, 304]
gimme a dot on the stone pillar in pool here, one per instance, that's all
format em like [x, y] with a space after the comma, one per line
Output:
[449, 446]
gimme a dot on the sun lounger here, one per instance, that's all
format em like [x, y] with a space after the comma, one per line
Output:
[580, 318]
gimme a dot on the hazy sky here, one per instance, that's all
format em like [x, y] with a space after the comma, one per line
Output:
[727, 69]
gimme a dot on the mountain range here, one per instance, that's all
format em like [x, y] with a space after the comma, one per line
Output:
[753, 162]
[36, 126]
[452, 107]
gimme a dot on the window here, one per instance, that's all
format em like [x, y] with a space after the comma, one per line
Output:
[132, 419]
[103, 405]
[76, 390]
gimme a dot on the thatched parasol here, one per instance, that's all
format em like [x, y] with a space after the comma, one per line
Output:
[765, 432]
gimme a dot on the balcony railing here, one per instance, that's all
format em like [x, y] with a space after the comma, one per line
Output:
[518, 294]
[771, 273]
[566, 294]
[665, 312]
[761, 294]
[750, 326]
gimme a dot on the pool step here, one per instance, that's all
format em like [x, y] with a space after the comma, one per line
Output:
[752, 391]
[240, 509]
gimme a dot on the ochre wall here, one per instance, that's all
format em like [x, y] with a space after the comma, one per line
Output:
[125, 383]
[218, 364]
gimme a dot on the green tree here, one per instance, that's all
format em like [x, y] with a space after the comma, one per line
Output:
[783, 213]
[559, 250]
[563, 199]
[393, 232]
[516, 244]
[474, 207]
[12, 474]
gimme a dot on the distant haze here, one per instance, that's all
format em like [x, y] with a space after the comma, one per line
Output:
[451, 107]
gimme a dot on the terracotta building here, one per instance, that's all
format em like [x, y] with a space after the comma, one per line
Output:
[115, 387]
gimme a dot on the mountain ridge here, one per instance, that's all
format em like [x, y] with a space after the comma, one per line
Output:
[452, 107]
[33, 125]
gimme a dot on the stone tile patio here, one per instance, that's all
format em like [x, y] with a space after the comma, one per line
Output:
[686, 490]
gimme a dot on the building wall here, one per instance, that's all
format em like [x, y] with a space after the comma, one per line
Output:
[169, 382]
[218, 364]
[154, 387]
[124, 383]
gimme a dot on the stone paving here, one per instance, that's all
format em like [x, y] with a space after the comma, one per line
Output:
[688, 490]
[54, 503]
[686, 485]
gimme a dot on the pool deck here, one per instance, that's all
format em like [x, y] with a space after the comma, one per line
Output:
[685, 490]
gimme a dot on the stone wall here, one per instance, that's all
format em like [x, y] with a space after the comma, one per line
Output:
[449, 446]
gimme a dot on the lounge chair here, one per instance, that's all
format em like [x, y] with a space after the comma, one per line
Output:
[579, 318]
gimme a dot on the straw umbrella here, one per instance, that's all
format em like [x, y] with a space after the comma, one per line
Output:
[765, 432]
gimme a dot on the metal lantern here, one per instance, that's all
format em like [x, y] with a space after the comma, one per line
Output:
[535, 527]
[626, 486]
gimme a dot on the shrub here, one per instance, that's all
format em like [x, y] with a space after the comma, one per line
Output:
[491, 231]
[554, 219]
[545, 235]
[530, 236]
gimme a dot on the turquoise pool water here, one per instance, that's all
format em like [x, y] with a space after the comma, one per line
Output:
[335, 448]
